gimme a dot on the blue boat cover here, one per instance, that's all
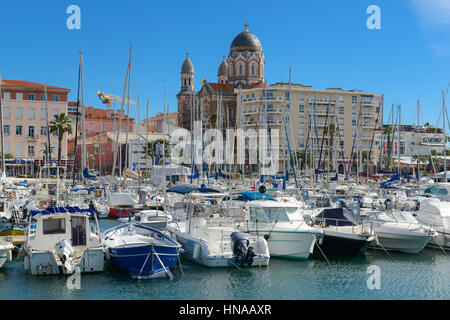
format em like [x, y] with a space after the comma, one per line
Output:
[87, 175]
[189, 189]
[251, 196]
[336, 217]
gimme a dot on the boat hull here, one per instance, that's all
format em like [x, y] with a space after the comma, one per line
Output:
[289, 244]
[442, 240]
[197, 250]
[402, 242]
[342, 245]
[5, 255]
[142, 261]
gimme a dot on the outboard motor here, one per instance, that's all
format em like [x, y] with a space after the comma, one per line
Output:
[63, 250]
[241, 251]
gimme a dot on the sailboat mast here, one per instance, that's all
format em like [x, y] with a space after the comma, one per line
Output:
[164, 141]
[398, 140]
[2, 133]
[418, 140]
[83, 115]
[445, 139]
[120, 119]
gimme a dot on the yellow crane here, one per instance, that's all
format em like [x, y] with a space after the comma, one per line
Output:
[108, 98]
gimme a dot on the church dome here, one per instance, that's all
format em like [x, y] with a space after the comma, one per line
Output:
[187, 65]
[223, 69]
[246, 41]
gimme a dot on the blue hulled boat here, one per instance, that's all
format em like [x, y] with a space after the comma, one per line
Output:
[145, 252]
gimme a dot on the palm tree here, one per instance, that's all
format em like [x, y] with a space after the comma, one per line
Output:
[8, 156]
[150, 148]
[329, 130]
[213, 120]
[61, 125]
[45, 152]
[387, 130]
[91, 159]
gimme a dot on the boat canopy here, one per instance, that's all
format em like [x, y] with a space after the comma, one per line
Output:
[434, 212]
[336, 217]
[189, 189]
[251, 196]
[436, 191]
[56, 210]
[88, 175]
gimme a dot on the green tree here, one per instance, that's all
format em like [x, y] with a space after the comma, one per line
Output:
[61, 125]
[213, 120]
[387, 131]
[150, 148]
[330, 130]
[45, 152]
[8, 156]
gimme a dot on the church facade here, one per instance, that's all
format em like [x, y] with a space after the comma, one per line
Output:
[215, 103]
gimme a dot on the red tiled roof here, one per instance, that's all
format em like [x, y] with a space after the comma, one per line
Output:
[221, 87]
[255, 85]
[173, 114]
[28, 84]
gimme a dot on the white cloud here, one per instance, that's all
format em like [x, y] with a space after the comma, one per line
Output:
[440, 49]
[433, 13]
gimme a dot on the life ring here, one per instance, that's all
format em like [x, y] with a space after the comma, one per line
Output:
[212, 215]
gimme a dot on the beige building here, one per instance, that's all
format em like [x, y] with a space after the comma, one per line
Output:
[25, 106]
[353, 116]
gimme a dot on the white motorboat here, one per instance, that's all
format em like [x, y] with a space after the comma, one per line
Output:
[6, 249]
[436, 214]
[400, 231]
[157, 219]
[213, 240]
[62, 241]
[282, 225]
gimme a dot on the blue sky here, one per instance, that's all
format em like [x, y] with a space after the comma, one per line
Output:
[326, 43]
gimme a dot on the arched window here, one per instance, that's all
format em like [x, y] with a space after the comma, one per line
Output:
[189, 81]
[253, 69]
[184, 81]
[240, 70]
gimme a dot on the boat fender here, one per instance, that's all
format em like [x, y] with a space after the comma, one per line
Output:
[196, 252]
[107, 255]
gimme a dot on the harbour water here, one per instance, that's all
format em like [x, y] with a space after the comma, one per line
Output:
[403, 276]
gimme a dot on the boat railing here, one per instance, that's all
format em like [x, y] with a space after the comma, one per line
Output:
[335, 224]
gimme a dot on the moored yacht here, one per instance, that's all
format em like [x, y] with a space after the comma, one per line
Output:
[436, 214]
[400, 231]
[62, 241]
[212, 239]
[343, 235]
[282, 225]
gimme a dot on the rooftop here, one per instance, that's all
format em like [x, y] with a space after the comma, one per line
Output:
[22, 84]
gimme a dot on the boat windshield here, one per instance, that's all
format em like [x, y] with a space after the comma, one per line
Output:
[257, 214]
[404, 217]
[277, 214]
[323, 203]
[382, 216]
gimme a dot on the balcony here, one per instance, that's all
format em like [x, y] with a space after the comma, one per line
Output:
[261, 123]
[263, 99]
[32, 138]
[322, 101]
[368, 103]
[257, 110]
